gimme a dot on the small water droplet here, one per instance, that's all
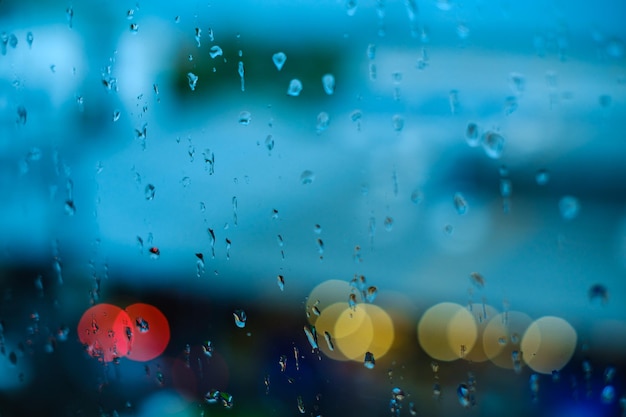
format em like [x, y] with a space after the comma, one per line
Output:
[301, 408]
[517, 83]
[70, 208]
[453, 101]
[282, 363]
[417, 196]
[311, 336]
[155, 252]
[317, 229]
[460, 204]
[134, 27]
[295, 87]
[352, 301]
[244, 118]
[149, 192]
[329, 341]
[369, 362]
[328, 81]
[598, 292]
[510, 105]
[569, 207]
[493, 144]
[398, 122]
[269, 142]
[472, 134]
[69, 13]
[199, 264]
[281, 282]
[463, 394]
[323, 120]
[22, 115]
[116, 115]
[279, 59]
[197, 36]
[29, 39]
[351, 7]
[371, 294]
[307, 177]
[193, 80]
[388, 223]
[142, 325]
[477, 279]
[240, 318]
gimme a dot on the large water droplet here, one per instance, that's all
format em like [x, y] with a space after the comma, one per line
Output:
[323, 120]
[328, 81]
[307, 177]
[240, 318]
[193, 80]
[244, 118]
[215, 51]
[569, 207]
[493, 144]
[295, 87]
[279, 59]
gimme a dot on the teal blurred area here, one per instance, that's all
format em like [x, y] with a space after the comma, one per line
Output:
[160, 152]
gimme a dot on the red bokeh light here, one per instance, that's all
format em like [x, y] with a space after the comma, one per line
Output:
[151, 332]
[104, 330]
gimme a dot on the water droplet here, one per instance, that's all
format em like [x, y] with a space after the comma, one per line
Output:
[502, 341]
[209, 161]
[311, 336]
[369, 362]
[371, 294]
[352, 301]
[197, 36]
[608, 394]
[463, 394]
[301, 408]
[510, 105]
[282, 362]
[517, 83]
[29, 39]
[569, 207]
[207, 348]
[317, 229]
[244, 118]
[134, 27]
[279, 59]
[70, 208]
[142, 325]
[199, 264]
[351, 6]
[295, 87]
[240, 70]
[329, 341]
[281, 282]
[240, 318]
[69, 12]
[453, 101]
[22, 115]
[398, 122]
[328, 81]
[598, 292]
[477, 279]
[460, 204]
[323, 120]
[116, 115]
[149, 192]
[155, 252]
[307, 177]
[193, 80]
[493, 144]
[417, 196]
[388, 223]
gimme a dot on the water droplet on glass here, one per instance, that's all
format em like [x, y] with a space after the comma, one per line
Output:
[351, 6]
[398, 122]
[328, 81]
[371, 294]
[323, 120]
[207, 348]
[199, 264]
[493, 144]
[29, 39]
[317, 229]
[542, 177]
[279, 59]
[369, 362]
[244, 118]
[240, 318]
[301, 408]
[70, 208]
[155, 252]
[352, 301]
[460, 204]
[598, 292]
[134, 27]
[510, 105]
[569, 207]
[269, 142]
[517, 83]
[22, 115]
[608, 394]
[142, 325]
[240, 70]
[329, 341]
[477, 279]
[149, 192]
[311, 336]
[295, 87]
[282, 363]
[388, 223]
[281, 282]
[463, 394]
[116, 115]
[453, 101]
[69, 12]
[307, 177]
[193, 80]
[198, 36]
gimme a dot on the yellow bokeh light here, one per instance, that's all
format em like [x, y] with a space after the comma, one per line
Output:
[482, 315]
[354, 332]
[548, 344]
[328, 292]
[447, 331]
[503, 335]
[384, 333]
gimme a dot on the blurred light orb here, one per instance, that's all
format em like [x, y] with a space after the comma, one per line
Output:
[447, 331]
[548, 344]
[104, 331]
[147, 345]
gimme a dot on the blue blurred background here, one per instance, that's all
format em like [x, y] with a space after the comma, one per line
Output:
[430, 140]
